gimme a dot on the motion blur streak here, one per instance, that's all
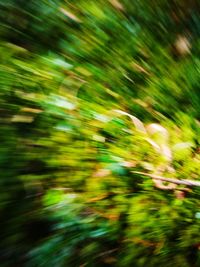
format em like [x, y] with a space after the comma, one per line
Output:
[99, 133]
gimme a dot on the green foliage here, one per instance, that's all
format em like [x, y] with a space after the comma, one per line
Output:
[70, 194]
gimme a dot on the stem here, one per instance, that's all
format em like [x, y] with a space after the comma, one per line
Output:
[170, 180]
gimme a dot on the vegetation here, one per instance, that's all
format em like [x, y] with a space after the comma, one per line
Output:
[97, 99]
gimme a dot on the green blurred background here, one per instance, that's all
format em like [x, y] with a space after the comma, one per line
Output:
[69, 192]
